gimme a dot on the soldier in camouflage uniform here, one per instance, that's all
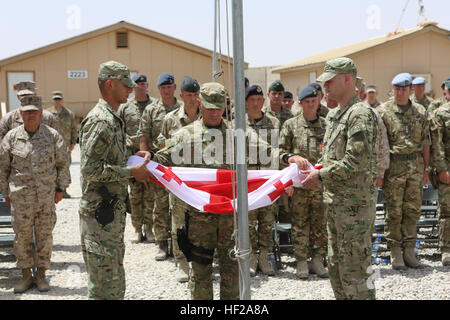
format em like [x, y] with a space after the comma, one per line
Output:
[174, 121]
[34, 169]
[206, 230]
[67, 126]
[149, 130]
[419, 96]
[323, 110]
[13, 120]
[141, 196]
[303, 136]
[440, 149]
[261, 220]
[348, 160]
[408, 133]
[104, 181]
[442, 100]
[372, 95]
[288, 100]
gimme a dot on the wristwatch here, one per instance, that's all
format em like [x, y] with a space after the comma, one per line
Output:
[286, 157]
[59, 190]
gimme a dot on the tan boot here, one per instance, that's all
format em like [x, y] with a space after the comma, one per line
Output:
[26, 282]
[264, 264]
[253, 264]
[317, 266]
[137, 238]
[446, 259]
[302, 270]
[41, 282]
[410, 259]
[397, 258]
[149, 234]
[183, 272]
[163, 249]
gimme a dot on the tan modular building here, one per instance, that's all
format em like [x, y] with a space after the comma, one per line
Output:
[72, 65]
[262, 76]
[423, 50]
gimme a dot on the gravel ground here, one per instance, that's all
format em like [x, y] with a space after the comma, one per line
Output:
[148, 279]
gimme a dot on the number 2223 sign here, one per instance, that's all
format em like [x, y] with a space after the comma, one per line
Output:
[72, 74]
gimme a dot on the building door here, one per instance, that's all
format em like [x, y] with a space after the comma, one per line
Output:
[14, 78]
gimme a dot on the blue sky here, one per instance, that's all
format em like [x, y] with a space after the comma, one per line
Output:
[276, 32]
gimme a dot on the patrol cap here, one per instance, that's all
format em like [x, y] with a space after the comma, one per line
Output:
[402, 80]
[165, 79]
[189, 84]
[116, 70]
[246, 82]
[139, 78]
[418, 81]
[371, 88]
[276, 86]
[337, 66]
[25, 88]
[57, 95]
[316, 86]
[254, 91]
[308, 92]
[30, 103]
[288, 95]
[359, 83]
[213, 96]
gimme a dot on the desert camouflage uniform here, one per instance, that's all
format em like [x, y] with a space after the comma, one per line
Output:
[141, 196]
[424, 102]
[305, 138]
[172, 122]
[440, 151]
[283, 116]
[150, 127]
[13, 120]
[31, 169]
[349, 162]
[408, 133]
[436, 104]
[103, 164]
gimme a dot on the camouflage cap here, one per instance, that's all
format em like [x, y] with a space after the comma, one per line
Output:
[57, 95]
[360, 83]
[337, 66]
[30, 103]
[371, 88]
[213, 96]
[116, 70]
[276, 86]
[25, 88]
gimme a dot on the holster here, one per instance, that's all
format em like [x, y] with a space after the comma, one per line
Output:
[434, 178]
[105, 211]
[192, 253]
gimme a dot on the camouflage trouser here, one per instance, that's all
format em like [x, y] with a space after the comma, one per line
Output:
[349, 250]
[25, 215]
[403, 193]
[103, 251]
[309, 224]
[141, 201]
[261, 224]
[161, 214]
[178, 219]
[444, 217]
[213, 231]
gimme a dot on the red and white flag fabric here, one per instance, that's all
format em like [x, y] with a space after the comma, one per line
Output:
[210, 190]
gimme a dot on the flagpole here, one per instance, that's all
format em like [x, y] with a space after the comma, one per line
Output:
[214, 57]
[241, 163]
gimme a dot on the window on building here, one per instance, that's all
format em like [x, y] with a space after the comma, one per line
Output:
[122, 39]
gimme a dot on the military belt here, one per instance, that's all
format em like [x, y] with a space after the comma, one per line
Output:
[405, 157]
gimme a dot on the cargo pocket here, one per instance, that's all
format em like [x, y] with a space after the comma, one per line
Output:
[102, 262]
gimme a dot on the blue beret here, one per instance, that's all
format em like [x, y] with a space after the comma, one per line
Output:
[418, 80]
[288, 95]
[402, 80]
[190, 85]
[308, 92]
[139, 78]
[165, 78]
[316, 86]
[254, 91]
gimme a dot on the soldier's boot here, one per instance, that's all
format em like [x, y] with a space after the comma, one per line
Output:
[149, 233]
[264, 264]
[446, 259]
[137, 238]
[410, 259]
[25, 283]
[253, 264]
[317, 266]
[183, 272]
[397, 258]
[66, 195]
[163, 250]
[41, 282]
[302, 270]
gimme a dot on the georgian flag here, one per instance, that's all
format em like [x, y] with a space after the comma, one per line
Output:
[210, 190]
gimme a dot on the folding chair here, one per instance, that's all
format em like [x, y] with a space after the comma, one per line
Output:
[279, 246]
